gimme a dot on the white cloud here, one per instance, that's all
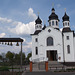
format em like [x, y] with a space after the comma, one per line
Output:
[2, 35]
[31, 13]
[27, 48]
[22, 28]
[5, 20]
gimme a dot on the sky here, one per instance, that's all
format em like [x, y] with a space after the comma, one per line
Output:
[17, 19]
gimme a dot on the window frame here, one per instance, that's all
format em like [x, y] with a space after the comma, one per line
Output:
[36, 39]
[49, 23]
[53, 23]
[36, 50]
[48, 41]
[40, 26]
[68, 49]
[56, 23]
[66, 23]
[67, 37]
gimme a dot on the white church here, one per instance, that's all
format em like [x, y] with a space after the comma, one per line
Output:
[49, 43]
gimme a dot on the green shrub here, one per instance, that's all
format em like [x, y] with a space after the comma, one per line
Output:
[4, 68]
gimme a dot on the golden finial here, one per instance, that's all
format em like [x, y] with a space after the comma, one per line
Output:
[65, 9]
[38, 13]
[53, 5]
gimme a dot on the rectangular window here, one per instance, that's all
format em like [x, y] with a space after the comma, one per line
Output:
[36, 40]
[67, 37]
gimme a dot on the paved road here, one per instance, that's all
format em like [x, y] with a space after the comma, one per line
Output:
[47, 73]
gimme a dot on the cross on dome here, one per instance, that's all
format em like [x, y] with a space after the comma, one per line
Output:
[38, 13]
[65, 9]
[53, 5]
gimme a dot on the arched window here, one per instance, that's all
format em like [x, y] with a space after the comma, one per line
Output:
[40, 26]
[36, 39]
[37, 26]
[68, 23]
[52, 22]
[68, 49]
[49, 41]
[65, 23]
[49, 23]
[56, 23]
[36, 50]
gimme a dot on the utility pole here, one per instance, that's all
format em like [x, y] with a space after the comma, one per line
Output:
[21, 54]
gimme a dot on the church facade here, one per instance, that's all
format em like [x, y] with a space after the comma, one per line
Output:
[49, 43]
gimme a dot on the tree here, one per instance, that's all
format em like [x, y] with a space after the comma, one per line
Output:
[18, 58]
[28, 56]
[10, 55]
[0, 57]
[23, 55]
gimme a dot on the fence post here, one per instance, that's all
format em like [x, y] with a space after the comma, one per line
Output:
[46, 64]
[30, 66]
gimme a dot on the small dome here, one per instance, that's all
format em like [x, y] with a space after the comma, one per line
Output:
[53, 15]
[65, 17]
[53, 9]
[38, 21]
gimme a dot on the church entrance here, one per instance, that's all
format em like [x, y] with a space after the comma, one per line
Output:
[52, 55]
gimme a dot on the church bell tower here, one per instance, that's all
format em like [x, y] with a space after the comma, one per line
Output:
[66, 22]
[38, 25]
[53, 20]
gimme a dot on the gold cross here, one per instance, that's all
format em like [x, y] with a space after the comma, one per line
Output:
[53, 5]
[38, 13]
[65, 9]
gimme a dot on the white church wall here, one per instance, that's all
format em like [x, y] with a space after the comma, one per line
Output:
[74, 46]
[69, 57]
[57, 37]
[60, 40]
[34, 44]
